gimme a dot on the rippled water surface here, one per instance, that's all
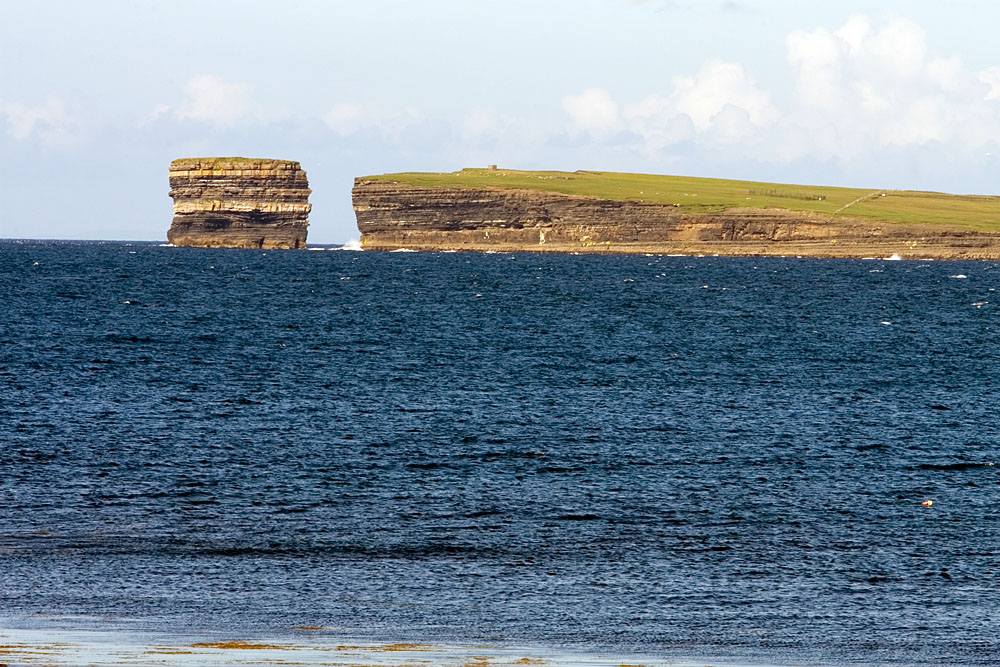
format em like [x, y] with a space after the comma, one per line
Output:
[667, 455]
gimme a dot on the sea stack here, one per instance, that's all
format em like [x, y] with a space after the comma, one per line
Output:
[236, 202]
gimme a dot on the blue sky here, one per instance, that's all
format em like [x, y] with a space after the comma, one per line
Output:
[97, 98]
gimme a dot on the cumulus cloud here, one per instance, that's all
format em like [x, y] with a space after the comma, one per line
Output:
[211, 100]
[49, 121]
[861, 88]
[349, 118]
[720, 104]
[345, 119]
[858, 90]
[990, 77]
[158, 112]
[593, 111]
[715, 87]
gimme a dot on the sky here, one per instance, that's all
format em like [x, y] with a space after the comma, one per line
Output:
[97, 98]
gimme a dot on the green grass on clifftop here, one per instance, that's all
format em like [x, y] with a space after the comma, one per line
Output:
[711, 194]
[236, 161]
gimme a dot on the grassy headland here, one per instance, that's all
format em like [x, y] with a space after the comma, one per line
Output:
[706, 195]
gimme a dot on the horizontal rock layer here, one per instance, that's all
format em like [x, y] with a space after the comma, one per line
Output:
[394, 215]
[239, 203]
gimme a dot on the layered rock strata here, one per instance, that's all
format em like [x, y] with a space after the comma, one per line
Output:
[239, 203]
[393, 215]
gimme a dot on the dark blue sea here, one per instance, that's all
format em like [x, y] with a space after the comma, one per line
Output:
[681, 456]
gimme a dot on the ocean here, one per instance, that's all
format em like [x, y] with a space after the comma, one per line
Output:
[761, 461]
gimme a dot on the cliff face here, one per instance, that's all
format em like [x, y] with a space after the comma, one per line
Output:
[239, 203]
[395, 215]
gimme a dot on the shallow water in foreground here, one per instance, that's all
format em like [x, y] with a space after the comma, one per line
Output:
[670, 456]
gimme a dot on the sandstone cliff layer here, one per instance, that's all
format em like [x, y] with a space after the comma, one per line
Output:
[394, 215]
[239, 203]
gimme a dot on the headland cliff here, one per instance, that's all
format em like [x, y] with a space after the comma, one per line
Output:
[484, 213]
[239, 203]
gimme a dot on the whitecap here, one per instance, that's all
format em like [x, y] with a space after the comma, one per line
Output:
[894, 257]
[959, 275]
[353, 244]
[403, 250]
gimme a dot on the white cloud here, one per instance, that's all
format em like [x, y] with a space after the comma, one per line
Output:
[348, 118]
[158, 112]
[345, 119]
[718, 105]
[991, 78]
[732, 124]
[814, 56]
[593, 111]
[851, 34]
[211, 100]
[658, 123]
[900, 48]
[859, 91]
[948, 74]
[216, 102]
[50, 121]
[716, 86]
[484, 123]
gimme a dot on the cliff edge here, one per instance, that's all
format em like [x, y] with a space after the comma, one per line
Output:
[407, 213]
[239, 203]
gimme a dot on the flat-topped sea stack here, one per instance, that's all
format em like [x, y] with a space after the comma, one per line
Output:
[507, 210]
[235, 202]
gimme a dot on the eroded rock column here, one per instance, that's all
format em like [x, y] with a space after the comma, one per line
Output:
[239, 203]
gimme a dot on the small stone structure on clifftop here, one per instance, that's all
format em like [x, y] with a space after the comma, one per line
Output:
[235, 202]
